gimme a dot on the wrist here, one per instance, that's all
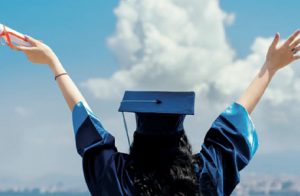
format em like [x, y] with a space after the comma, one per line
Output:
[269, 68]
[54, 62]
[56, 67]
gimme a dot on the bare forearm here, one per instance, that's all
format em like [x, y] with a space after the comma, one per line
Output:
[256, 89]
[277, 57]
[69, 90]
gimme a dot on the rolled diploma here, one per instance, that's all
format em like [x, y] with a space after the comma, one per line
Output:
[16, 40]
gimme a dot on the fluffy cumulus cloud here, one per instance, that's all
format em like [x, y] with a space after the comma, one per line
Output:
[176, 45]
[166, 45]
[182, 45]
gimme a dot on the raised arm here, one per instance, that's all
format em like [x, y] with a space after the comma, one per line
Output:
[40, 53]
[277, 58]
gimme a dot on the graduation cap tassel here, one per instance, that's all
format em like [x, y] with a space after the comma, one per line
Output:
[126, 129]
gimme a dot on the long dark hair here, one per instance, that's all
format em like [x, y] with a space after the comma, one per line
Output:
[163, 165]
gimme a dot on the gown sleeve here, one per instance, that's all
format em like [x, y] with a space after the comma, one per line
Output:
[88, 130]
[228, 147]
[97, 148]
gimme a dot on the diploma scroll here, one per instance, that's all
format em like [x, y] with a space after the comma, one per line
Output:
[12, 37]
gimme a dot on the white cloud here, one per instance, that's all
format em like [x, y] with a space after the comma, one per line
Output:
[157, 51]
[170, 45]
[230, 18]
[176, 45]
[22, 111]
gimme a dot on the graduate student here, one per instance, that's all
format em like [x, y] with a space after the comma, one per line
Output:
[160, 161]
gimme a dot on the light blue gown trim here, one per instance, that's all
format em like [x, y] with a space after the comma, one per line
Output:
[240, 118]
[80, 112]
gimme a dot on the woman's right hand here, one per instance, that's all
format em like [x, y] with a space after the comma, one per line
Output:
[38, 52]
[284, 54]
[277, 58]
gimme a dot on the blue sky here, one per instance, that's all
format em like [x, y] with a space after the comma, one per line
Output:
[82, 28]
[263, 18]
[77, 31]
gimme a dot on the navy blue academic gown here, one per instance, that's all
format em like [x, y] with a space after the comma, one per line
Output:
[228, 146]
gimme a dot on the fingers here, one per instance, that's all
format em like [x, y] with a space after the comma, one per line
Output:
[296, 57]
[295, 43]
[292, 37]
[31, 40]
[22, 48]
[296, 49]
[275, 40]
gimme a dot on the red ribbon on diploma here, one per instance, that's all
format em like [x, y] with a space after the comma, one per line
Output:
[6, 34]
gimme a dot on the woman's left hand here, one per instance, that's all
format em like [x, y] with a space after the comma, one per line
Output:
[38, 52]
[279, 57]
